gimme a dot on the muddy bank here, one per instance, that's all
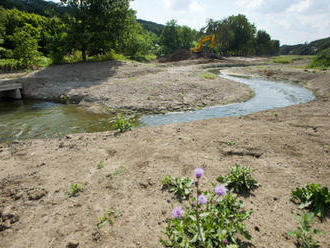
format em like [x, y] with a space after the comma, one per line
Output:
[134, 87]
[291, 148]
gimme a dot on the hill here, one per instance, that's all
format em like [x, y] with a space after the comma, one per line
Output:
[307, 48]
[39, 7]
[152, 26]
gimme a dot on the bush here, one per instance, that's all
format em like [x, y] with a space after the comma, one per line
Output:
[239, 179]
[322, 60]
[122, 124]
[313, 197]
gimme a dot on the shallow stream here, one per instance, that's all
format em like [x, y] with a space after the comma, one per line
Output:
[35, 119]
[268, 95]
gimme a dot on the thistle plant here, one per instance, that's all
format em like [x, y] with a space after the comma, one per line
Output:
[211, 219]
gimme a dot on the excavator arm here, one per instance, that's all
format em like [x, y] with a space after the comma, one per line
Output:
[202, 41]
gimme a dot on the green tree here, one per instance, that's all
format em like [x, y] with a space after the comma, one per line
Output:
[96, 24]
[26, 44]
[263, 43]
[135, 41]
[174, 37]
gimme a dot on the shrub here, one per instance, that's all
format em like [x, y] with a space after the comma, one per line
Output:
[304, 232]
[122, 124]
[322, 60]
[313, 197]
[182, 187]
[211, 219]
[239, 179]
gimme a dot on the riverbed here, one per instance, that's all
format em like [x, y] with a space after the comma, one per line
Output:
[43, 119]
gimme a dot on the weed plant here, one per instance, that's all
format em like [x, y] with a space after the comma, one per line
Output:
[211, 219]
[122, 124]
[239, 179]
[107, 218]
[314, 197]
[181, 187]
[75, 189]
[100, 165]
[304, 233]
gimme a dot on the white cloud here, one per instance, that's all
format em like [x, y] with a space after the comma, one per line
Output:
[195, 6]
[177, 5]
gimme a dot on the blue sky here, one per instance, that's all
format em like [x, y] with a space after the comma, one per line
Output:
[290, 21]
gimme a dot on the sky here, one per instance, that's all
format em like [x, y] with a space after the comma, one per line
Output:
[290, 21]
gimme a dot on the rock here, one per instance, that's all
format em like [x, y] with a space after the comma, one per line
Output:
[72, 244]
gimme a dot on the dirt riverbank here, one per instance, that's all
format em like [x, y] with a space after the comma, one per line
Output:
[287, 149]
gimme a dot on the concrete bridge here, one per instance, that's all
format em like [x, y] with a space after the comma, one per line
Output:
[11, 88]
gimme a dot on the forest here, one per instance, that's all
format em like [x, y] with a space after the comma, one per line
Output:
[36, 33]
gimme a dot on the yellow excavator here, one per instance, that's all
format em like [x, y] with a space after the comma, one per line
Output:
[210, 52]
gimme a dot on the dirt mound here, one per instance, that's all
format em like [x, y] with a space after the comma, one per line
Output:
[178, 55]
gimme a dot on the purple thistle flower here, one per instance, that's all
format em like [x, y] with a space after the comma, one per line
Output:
[177, 213]
[220, 190]
[225, 241]
[199, 172]
[202, 199]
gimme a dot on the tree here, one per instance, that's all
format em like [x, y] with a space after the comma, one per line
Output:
[263, 43]
[26, 44]
[174, 37]
[96, 23]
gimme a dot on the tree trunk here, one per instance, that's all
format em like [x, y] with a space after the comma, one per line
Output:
[84, 53]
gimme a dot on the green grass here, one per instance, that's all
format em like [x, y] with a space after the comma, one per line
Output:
[205, 75]
[10, 65]
[288, 59]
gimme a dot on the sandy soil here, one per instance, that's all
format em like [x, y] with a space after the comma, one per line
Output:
[134, 87]
[287, 150]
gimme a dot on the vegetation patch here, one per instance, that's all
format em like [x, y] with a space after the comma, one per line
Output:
[314, 197]
[205, 75]
[239, 179]
[321, 61]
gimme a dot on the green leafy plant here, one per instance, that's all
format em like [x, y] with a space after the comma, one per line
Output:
[108, 217]
[100, 165]
[211, 219]
[122, 124]
[205, 75]
[182, 187]
[239, 179]
[230, 143]
[314, 197]
[304, 232]
[75, 189]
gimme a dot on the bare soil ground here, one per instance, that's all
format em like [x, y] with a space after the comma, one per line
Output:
[287, 150]
[134, 87]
